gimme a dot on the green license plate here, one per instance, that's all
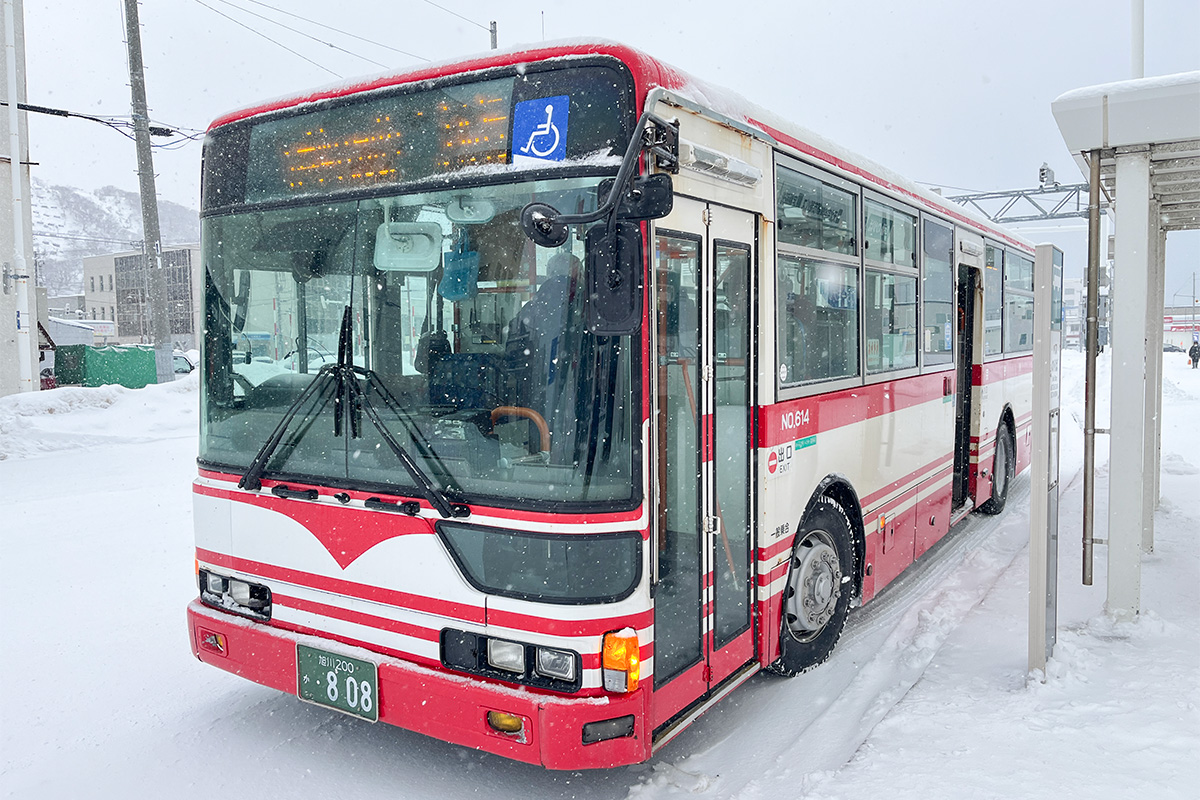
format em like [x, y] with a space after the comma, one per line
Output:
[349, 685]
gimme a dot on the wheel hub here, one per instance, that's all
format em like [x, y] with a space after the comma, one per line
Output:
[815, 587]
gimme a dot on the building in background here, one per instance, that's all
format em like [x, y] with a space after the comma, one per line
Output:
[116, 287]
[66, 306]
[1074, 307]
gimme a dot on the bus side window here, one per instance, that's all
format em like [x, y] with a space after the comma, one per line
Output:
[818, 321]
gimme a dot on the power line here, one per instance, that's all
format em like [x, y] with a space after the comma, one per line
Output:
[338, 30]
[118, 124]
[48, 235]
[268, 38]
[301, 33]
[460, 16]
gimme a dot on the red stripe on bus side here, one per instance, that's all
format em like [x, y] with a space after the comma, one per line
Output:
[375, 594]
[773, 574]
[826, 412]
[996, 371]
[937, 464]
[773, 550]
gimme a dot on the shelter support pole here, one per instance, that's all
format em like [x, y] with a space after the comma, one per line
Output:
[1091, 344]
[1155, 286]
[1130, 424]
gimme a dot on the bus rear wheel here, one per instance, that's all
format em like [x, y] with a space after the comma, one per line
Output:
[1003, 469]
[816, 599]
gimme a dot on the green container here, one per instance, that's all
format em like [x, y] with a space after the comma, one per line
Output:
[131, 366]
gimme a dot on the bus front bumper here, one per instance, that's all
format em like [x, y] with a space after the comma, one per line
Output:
[444, 705]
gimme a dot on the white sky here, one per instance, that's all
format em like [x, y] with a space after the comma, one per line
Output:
[944, 91]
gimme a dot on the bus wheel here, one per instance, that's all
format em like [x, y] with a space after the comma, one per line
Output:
[816, 599]
[1003, 468]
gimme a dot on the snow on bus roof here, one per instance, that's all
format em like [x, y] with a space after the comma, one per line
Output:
[785, 132]
[650, 73]
[559, 50]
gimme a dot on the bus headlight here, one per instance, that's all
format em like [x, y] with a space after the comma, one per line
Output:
[233, 594]
[508, 656]
[515, 662]
[556, 664]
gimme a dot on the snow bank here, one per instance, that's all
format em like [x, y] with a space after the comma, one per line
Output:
[73, 417]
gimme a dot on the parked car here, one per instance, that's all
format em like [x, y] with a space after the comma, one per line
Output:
[183, 364]
[1172, 348]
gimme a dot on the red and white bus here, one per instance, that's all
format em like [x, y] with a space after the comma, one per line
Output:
[548, 396]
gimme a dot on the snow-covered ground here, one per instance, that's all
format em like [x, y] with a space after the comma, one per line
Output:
[927, 696]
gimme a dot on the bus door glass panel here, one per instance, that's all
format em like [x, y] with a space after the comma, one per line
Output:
[731, 456]
[678, 622]
[968, 286]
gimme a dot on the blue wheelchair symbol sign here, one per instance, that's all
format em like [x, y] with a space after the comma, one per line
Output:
[540, 129]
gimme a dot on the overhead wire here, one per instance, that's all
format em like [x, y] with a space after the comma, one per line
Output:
[48, 235]
[337, 30]
[460, 16]
[121, 124]
[301, 33]
[268, 38]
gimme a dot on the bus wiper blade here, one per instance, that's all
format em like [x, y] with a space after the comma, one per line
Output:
[252, 480]
[360, 399]
[336, 373]
[349, 401]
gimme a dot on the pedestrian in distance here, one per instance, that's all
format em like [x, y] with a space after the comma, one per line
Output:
[1194, 353]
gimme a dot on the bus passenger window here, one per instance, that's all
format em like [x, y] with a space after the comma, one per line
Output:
[937, 294]
[814, 214]
[1018, 303]
[891, 321]
[993, 299]
[817, 321]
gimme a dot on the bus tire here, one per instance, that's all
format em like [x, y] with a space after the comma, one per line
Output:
[817, 597]
[1003, 469]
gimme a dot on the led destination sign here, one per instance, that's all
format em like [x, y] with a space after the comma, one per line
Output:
[384, 141]
[378, 140]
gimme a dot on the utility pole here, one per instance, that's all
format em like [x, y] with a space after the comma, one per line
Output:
[16, 273]
[152, 249]
[492, 30]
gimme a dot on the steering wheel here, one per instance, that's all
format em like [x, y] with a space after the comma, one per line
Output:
[527, 413]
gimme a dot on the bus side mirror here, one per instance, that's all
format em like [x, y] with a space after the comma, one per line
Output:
[649, 197]
[614, 279]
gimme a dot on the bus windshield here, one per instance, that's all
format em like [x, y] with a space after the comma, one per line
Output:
[472, 338]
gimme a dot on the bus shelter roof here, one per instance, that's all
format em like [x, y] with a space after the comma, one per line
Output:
[1161, 115]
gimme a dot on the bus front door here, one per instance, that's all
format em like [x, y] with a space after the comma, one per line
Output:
[703, 382]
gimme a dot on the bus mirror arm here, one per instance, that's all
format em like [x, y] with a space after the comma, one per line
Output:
[646, 197]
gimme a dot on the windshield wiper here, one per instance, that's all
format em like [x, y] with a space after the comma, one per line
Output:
[349, 399]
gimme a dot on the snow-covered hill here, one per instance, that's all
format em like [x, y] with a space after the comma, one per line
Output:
[70, 223]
